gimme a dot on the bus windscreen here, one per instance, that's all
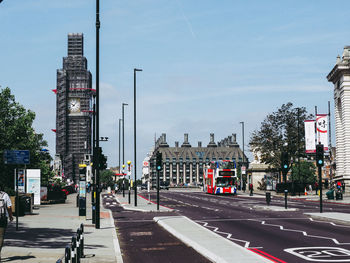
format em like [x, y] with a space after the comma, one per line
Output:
[226, 173]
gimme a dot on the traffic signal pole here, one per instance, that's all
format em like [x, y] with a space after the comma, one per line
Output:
[320, 163]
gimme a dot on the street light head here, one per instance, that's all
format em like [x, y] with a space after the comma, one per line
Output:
[128, 162]
[125, 104]
[123, 165]
[137, 69]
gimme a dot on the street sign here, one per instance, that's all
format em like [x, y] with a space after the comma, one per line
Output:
[16, 157]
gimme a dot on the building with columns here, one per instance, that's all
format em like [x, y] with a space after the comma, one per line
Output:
[340, 77]
[184, 164]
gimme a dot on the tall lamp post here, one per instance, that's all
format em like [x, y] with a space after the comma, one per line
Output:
[97, 225]
[119, 147]
[135, 184]
[123, 105]
[242, 122]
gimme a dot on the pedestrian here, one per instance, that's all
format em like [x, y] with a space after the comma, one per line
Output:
[251, 189]
[338, 186]
[343, 186]
[244, 186]
[5, 214]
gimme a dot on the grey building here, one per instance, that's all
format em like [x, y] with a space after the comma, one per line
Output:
[184, 164]
[73, 108]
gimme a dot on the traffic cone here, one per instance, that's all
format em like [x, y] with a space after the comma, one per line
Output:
[305, 191]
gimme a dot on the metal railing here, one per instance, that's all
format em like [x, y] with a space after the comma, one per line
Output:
[75, 250]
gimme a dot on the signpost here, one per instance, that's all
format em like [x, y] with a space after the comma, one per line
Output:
[16, 157]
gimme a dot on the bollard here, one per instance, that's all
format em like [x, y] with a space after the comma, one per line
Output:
[268, 198]
[285, 198]
[78, 246]
[82, 241]
[74, 255]
[67, 255]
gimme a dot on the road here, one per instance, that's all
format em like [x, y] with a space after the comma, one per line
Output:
[272, 234]
[277, 234]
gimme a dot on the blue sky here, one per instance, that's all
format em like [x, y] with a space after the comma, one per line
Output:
[207, 65]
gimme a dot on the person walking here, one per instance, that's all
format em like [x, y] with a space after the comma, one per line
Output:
[5, 214]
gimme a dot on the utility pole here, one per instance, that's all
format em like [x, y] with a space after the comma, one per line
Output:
[97, 225]
[135, 184]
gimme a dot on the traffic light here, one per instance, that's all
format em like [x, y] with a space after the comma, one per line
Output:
[159, 161]
[103, 162]
[319, 155]
[285, 162]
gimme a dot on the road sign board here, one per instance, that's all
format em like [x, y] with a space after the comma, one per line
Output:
[16, 157]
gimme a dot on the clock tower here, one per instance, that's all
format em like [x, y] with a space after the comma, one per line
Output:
[73, 109]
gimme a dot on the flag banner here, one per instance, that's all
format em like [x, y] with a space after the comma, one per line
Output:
[322, 130]
[310, 146]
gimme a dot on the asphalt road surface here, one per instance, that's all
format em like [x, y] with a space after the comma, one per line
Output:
[143, 240]
[281, 236]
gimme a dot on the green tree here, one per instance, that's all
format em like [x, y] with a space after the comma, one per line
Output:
[307, 173]
[279, 132]
[16, 132]
[107, 177]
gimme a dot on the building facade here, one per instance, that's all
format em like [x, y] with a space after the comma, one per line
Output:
[73, 109]
[340, 77]
[183, 165]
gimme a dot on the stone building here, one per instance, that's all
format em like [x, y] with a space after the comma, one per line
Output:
[184, 164]
[73, 109]
[340, 77]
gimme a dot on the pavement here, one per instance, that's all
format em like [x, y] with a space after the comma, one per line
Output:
[43, 236]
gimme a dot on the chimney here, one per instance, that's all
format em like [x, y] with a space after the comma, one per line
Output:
[212, 143]
[176, 144]
[163, 142]
[186, 143]
[199, 144]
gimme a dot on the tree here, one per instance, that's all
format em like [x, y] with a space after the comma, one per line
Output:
[16, 132]
[279, 132]
[307, 173]
[107, 177]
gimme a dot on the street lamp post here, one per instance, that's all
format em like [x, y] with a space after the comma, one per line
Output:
[135, 185]
[129, 186]
[119, 148]
[97, 225]
[123, 104]
[242, 122]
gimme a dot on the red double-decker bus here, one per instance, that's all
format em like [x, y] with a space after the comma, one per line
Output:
[220, 177]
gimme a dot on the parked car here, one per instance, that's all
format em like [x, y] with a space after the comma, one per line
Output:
[143, 186]
[163, 185]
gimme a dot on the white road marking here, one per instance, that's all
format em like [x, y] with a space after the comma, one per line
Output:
[228, 235]
[303, 232]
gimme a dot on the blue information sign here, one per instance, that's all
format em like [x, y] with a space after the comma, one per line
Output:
[16, 157]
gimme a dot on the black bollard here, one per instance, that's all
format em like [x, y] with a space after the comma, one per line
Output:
[268, 198]
[285, 198]
[67, 255]
[74, 252]
[78, 246]
[82, 241]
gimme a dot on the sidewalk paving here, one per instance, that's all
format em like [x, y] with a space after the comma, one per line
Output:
[43, 236]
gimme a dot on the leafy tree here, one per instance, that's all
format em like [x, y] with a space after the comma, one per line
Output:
[107, 177]
[307, 173]
[279, 132]
[16, 132]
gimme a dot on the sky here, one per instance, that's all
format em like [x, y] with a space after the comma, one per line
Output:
[207, 65]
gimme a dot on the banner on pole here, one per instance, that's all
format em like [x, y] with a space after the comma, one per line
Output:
[322, 130]
[310, 146]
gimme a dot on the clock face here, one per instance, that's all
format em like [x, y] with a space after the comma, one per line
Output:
[74, 105]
